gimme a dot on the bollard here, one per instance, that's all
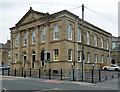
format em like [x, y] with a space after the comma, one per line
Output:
[99, 75]
[61, 74]
[25, 74]
[30, 72]
[2, 71]
[49, 73]
[73, 75]
[15, 71]
[8, 72]
[22, 72]
[92, 76]
[39, 73]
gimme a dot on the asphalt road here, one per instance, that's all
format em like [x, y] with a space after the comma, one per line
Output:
[38, 85]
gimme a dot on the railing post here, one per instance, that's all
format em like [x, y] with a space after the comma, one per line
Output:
[8, 72]
[61, 74]
[2, 71]
[15, 71]
[49, 73]
[92, 76]
[39, 73]
[22, 72]
[30, 72]
[99, 75]
[73, 75]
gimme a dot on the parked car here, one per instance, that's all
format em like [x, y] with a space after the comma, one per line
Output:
[111, 67]
[4, 67]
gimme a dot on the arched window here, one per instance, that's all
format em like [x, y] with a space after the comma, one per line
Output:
[43, 34]
[56, 29]
[88, 38]
[79, 35]
[70, 32]
[95, 40]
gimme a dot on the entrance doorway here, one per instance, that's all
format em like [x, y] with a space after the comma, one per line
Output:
[33, 58]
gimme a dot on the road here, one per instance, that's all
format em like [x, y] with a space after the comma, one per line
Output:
[38, 85]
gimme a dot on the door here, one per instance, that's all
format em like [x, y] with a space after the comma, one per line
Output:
[33, 59]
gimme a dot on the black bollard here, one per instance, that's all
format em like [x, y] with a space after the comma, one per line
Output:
[30, 72]
[39, 73]
[25, 74]
[61, 74]
[99, 75]
[2, 71]
[15, 71]
[22, 72]
[49, 73]
[92, 76]
[73, 75]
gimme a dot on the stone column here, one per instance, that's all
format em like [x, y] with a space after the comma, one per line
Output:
[28, 45]
[37, 43]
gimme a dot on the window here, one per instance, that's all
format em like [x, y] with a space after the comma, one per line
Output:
[43, 34]
[107, 45]
[9, 61]
[55, 54]
[33, 37]
[9, 53]
[107, 59]
[56, 35]
[79, 56]
[25, 39]
[79, 35]
[70, 32]
[16, 58]
[113, 45]
[88, 38]
[101, 42]
[88, 57]
[24, 56]
[70, 55]
[95, 58]
[16, 41]
[95, 40]
[102, 59]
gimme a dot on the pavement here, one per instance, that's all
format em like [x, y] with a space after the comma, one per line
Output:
[37, 85]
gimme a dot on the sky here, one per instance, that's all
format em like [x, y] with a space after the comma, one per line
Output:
[101, 13]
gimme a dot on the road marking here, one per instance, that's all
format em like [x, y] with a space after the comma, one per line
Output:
[52, 81]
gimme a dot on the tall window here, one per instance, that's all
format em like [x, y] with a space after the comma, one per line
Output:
[107, 59]
[25, 39]
[16, 58]
[95, 58]
[16, 41]
[70, 55]
[56, 29]
[88, 57]
[95, 40]
[79, 35]
[24, 56]
[107, 45]
[43, 34]
[88, 38]
[9, 61]
[70, 32]
[33, 37]
[102, 59]
[55, 54]
[113, 45]
[9, 53]
[79, 56]
[101, 42]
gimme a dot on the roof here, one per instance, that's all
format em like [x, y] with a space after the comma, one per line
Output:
[4, 46]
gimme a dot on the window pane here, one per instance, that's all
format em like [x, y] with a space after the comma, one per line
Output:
[79, 56]
[56, 53]
[70, 32]
[79, 35]
[70, 55]
[56, 32]
[88, 38]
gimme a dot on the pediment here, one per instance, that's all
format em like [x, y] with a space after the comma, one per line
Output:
[30, 16]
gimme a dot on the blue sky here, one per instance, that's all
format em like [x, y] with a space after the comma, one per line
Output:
[101, 13]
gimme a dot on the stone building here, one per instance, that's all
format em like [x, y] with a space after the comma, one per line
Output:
[60, 35]
[5, 53]
[115, 52]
